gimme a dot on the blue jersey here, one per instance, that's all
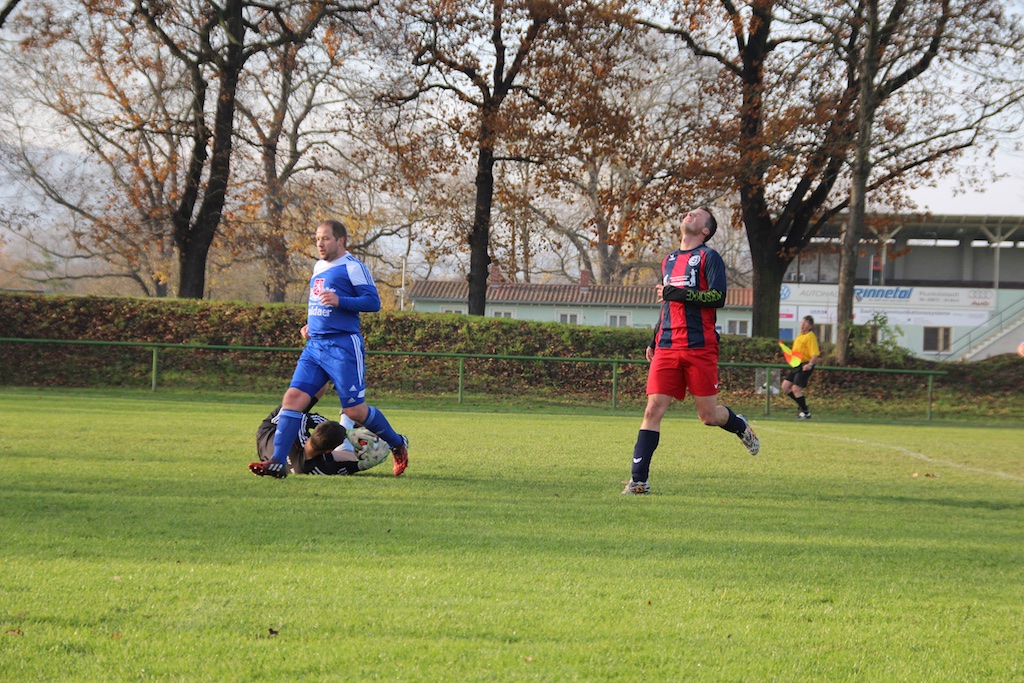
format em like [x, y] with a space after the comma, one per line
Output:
[347, 277]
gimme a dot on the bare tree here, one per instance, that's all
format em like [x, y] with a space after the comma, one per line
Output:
[890, 46]
[610, 197]
[201, 48]
[788, 140]
[100, 148]
[489, 72]
[6, 10]
[292, 103]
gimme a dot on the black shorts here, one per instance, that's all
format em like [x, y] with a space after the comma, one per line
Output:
[799, 377]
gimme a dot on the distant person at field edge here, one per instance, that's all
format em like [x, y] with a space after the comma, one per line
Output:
[319, 448]
[805, 347]
[340, 289]
[684, 351]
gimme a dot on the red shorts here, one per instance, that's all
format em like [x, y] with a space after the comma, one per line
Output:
[673, 371]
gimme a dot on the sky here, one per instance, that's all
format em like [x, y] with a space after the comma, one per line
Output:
[1002, 198]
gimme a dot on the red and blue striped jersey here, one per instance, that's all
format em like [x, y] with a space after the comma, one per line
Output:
[694, 286]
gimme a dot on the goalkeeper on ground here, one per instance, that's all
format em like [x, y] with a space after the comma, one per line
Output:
[320, 448]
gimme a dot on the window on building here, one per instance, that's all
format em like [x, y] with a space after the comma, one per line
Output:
[618, 319]
[813, 266]
[937, 339]
[571, 317]
[502, 313]
[738, 327]
[453, 309]
[824, 333]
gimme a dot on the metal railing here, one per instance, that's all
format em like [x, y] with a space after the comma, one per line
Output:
[1000, 320]
[615, 363]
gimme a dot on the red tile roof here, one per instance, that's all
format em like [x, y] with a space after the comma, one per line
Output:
[528, 293]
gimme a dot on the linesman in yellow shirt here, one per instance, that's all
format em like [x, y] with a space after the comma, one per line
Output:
[794, 385]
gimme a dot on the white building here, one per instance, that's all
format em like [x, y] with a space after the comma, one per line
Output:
[953, 285]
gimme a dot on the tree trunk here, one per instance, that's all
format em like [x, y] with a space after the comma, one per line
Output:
[192, 270]
[480, 236]
[194, 238]
[768, 265]
[861, 169]
[278, 271]
[766, 280]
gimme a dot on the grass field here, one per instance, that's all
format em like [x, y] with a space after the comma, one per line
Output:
[136, 546]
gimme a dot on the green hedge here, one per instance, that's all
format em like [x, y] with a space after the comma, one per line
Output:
[277, 325]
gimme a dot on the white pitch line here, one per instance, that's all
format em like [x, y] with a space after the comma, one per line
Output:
[913, 454]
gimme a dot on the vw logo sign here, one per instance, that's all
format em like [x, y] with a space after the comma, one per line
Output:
[784, 292]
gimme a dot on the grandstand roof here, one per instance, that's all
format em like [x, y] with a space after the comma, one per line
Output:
[938, 226]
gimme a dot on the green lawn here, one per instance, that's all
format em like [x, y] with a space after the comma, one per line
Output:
[135, 545]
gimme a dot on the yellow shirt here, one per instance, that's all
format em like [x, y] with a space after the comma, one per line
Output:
[806, 347]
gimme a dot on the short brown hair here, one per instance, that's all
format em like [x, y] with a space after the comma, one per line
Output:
[712, 223]
[338, 228]
[327, 436]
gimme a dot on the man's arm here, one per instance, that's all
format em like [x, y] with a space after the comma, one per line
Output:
[713, 296]
[710, 298]
[367, 300]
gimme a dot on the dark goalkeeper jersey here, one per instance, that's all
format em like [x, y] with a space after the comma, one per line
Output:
[265, 435]
[694, 287]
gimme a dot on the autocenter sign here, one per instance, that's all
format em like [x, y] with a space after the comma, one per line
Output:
[893, 297]
[938, 306]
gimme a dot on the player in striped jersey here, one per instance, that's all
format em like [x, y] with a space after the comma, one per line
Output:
[684, 351]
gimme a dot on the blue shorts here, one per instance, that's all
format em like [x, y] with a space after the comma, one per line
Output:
[341, 359]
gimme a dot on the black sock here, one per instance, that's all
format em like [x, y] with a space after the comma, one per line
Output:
[793, 396]
[643, 451]
[734, 424]
[802, 402]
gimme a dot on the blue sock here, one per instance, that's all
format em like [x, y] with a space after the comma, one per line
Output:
[734, 424]
[288, 423]
[379, 425]
[643, 451]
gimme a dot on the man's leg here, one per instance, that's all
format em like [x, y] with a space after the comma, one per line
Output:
[798, 395]
[714, 415]
[307, 380]
[346, 371]
[288, 422]
[375, 420]
[647, 440]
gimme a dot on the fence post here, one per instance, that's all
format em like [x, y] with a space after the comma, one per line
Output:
[931, 383]
[462, 373]
[767, 390]
[155, 351]
[615, 385]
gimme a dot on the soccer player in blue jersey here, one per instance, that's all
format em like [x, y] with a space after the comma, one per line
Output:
[341, 288]
[684, 351]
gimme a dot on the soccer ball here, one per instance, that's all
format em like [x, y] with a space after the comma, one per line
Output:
[369, 448]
